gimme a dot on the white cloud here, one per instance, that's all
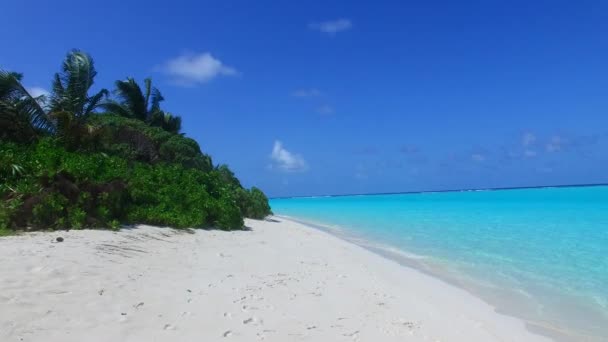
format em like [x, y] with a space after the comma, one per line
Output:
[40, 94]
[332, 27]
[478, 157]
[530, 153]
[306, 93]
[285, 160]
[528, 139]
[37, 91]
[555, 144]
[189, 69]
[325, 110]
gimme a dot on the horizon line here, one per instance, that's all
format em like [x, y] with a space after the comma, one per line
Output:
[448, 190]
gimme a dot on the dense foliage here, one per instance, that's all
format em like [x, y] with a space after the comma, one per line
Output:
[63, 164]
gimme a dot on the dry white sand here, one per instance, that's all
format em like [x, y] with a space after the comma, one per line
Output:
[278, 282]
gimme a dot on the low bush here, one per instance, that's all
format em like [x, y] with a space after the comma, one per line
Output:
[170, 195]
[44, 186]
[226, 213]
[135, 140]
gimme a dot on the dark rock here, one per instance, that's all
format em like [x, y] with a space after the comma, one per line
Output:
[59, 239]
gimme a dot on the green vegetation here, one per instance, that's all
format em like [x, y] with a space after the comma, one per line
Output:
[66, 164]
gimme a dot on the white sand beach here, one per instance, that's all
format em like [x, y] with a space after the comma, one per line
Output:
[280, 281]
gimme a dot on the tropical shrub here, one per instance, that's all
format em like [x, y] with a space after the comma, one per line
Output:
[169, 195]
[226, 213]
[46, 186]
[258, 206]
[134, 140]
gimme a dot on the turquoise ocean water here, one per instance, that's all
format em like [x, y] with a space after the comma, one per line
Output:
[539, 254]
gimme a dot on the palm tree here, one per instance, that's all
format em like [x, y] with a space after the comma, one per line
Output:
[22, 116]
[71, 86]
[142, 105]
[167, 121]
[133, 102]
[70, 104]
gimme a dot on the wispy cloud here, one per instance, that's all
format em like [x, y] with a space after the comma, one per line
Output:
[527, 148]
[528, 139]
[285, 160]
[556, 144]
[42, 95]
[361, 172]
[191, 69]
[478, 157]
[413, 154]
[312, 92]
[331, 27]
[325, 110]
[38, 91]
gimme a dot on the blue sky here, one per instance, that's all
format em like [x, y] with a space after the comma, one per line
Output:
[330, 97]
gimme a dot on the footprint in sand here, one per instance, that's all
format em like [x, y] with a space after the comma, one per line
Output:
[239, 300]
[37, 269]
[262, 335]
[354, 335]
[246, 308]
[253, 321]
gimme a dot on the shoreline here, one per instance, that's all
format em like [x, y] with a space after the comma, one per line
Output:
[279, 281]
[442, 273]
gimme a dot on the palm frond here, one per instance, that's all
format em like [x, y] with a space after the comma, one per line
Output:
[167, 121]
[148, 89]
[8, 82]
[157, 98]
[13, 94]
[131, 96]
[174, 124]
[95, 101]
[57, 87]
[71, 86]
[117, 108]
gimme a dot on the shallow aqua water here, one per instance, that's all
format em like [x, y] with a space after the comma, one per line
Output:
[540, 254]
